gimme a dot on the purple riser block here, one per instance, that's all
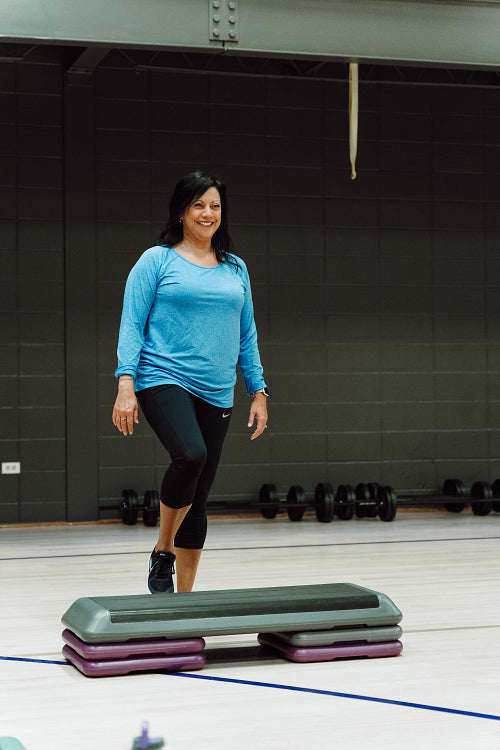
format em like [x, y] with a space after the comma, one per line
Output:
[112, 667]
[99, 651]
[329, 653]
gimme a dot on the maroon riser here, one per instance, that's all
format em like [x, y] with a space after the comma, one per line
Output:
[329, 653]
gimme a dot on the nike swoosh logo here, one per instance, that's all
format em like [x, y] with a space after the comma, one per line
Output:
[225, 416]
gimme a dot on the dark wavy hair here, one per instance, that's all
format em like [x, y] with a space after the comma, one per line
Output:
[186, 192]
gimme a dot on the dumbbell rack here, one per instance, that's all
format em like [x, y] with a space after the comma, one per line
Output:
[366, 500]
[363, 501]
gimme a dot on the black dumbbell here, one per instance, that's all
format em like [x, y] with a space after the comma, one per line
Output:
[129, 507]
[366, 500]
[372, 500]
[479, 496]
[296, 502]
[387, 503]
[269, 501]
[324, 502]
[151, 508]
[454, 488]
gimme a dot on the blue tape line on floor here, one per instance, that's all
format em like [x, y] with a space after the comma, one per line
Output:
[315, 691]
[293, 688]
[33, 661]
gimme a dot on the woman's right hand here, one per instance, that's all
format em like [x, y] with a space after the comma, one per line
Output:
[126, 410]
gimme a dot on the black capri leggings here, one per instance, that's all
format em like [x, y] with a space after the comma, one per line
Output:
[193, 433]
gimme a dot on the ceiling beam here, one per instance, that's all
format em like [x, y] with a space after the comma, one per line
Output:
[439, 33]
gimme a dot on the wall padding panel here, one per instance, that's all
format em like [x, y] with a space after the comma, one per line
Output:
[32, 371]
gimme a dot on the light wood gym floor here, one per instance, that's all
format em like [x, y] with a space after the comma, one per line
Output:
[442, 570]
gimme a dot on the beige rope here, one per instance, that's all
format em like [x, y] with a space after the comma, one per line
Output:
[353, 116]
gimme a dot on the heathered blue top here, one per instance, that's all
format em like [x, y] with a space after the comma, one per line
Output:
[189, 325]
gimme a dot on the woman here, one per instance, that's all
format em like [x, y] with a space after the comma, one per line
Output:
[187, 321]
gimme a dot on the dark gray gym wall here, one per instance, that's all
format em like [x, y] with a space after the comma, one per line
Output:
[376, 299]
[32, 383]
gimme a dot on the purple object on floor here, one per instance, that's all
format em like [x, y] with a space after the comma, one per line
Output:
[152, 663]
[145, 742]
[328, 653]
[99, 651]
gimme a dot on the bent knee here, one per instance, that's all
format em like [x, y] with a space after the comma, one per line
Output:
[191, 459]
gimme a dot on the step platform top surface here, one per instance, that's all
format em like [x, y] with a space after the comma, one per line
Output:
[229, 611]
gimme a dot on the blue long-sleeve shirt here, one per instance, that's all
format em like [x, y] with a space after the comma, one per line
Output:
[189, 325]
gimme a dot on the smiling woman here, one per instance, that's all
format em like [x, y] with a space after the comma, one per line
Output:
[187, 321]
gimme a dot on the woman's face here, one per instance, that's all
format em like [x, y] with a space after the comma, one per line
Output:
[202, 218]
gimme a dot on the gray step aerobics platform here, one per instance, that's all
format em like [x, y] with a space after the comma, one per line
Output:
[206, 613]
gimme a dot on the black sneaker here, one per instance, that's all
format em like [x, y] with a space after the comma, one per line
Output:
[161, 568]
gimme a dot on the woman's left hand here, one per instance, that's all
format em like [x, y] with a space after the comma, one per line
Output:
[258, 411]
